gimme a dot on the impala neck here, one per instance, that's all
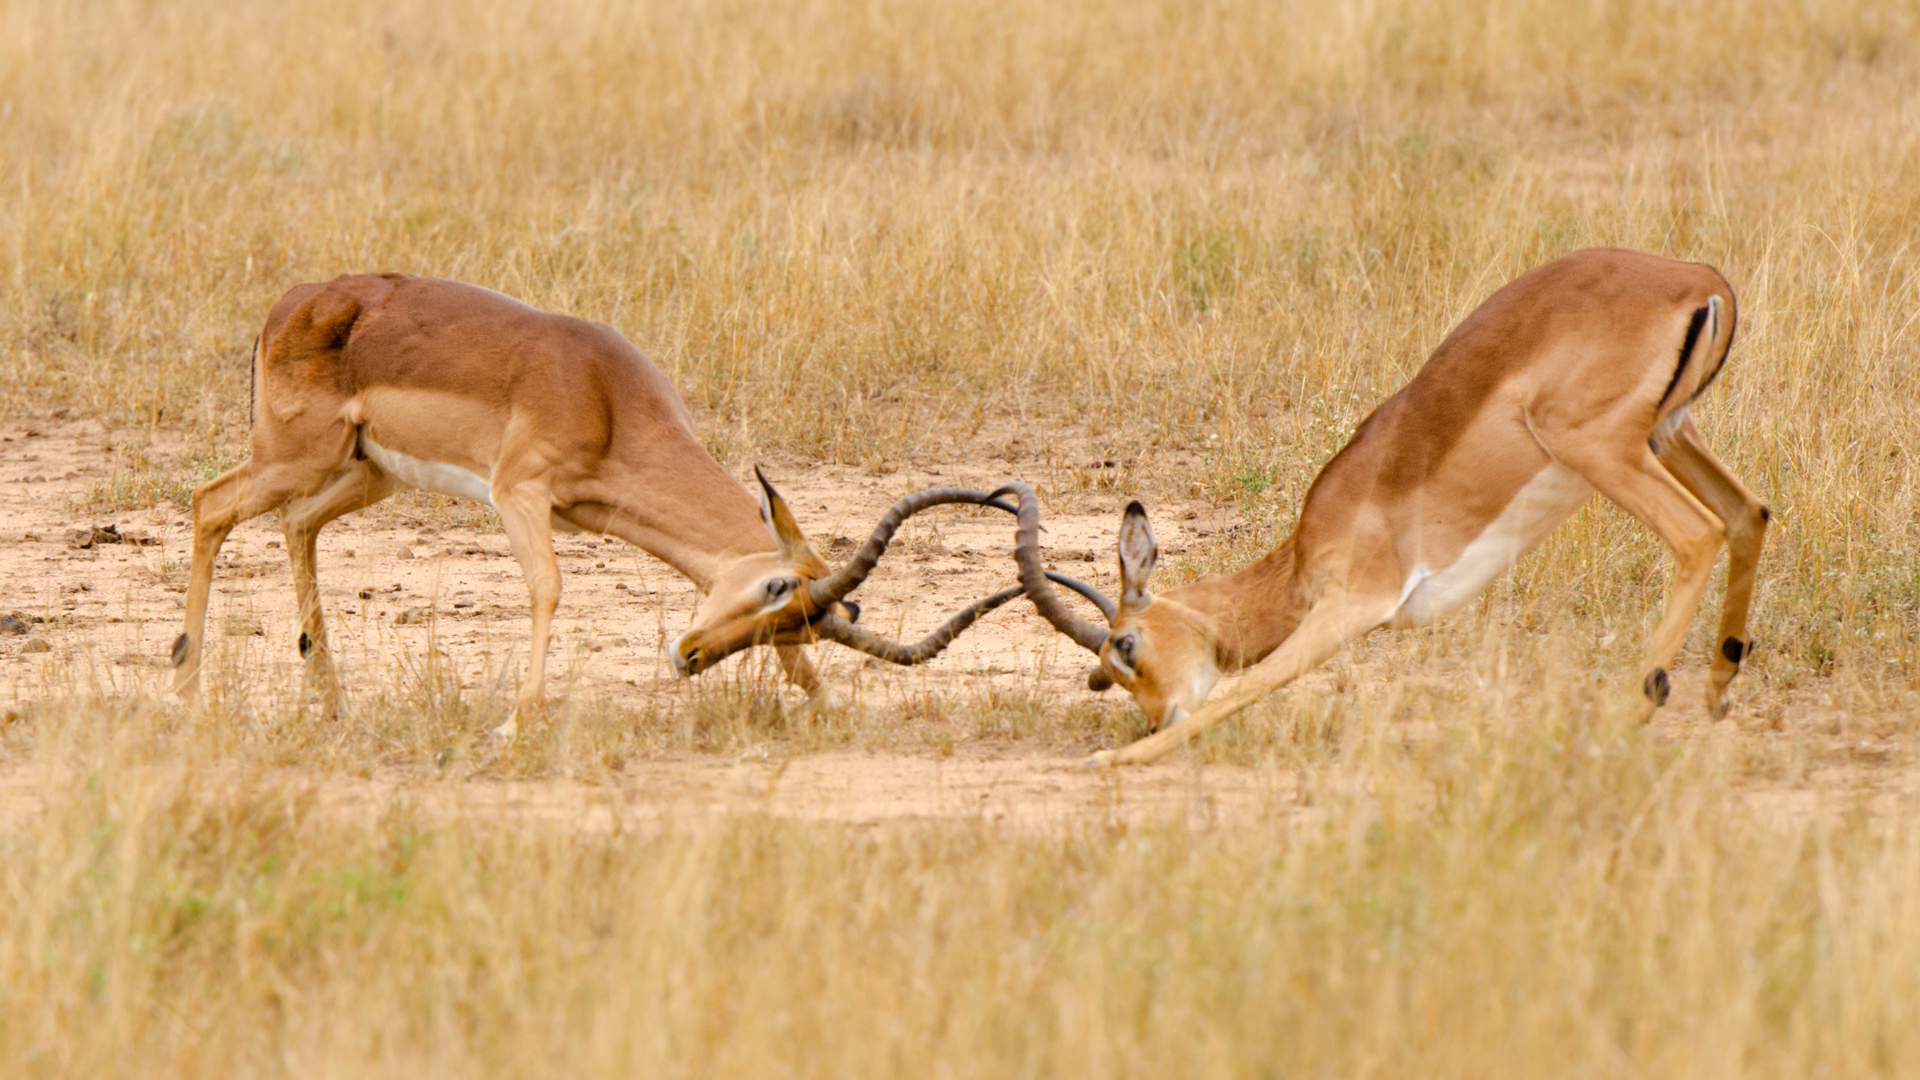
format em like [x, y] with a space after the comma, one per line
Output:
[678, 504]
[1253, 610]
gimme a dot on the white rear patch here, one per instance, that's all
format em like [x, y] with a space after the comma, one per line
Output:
[428, 475]
[1548, 499]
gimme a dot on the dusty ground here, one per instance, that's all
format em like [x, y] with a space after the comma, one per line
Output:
[396, 576]
[402, 576]
[100, 611]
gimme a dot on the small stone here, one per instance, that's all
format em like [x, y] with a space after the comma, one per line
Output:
[243, 627]
[405, 553]
[412, 616]
[366, 594]
[90, 536]
[36, 645]
[463, 603]
[16, 623]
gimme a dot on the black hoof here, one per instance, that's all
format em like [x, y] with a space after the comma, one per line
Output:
[180, 650]
[306, 645]
[1658, 686]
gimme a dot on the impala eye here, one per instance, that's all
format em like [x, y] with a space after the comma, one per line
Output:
[1124, 647]
[778, 587]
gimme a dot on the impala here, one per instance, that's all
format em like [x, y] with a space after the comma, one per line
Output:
[372, 384]
[1576, 377]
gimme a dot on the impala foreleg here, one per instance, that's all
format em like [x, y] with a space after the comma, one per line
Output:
[361, 485]
[527, 517]
[1745, 520]
[801, 673]
[1329, 626]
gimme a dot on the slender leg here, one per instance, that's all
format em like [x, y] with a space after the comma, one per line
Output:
[800, 671]
[1700, 472]
[234, 496]
[527, 515]
[1644, 488]
[360, 485]
[1331, 623]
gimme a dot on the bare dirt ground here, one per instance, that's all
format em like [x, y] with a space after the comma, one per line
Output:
[101, 598]
[96, 600]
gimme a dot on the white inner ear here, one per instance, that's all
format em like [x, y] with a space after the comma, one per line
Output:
[766, 516]
[1138, 553]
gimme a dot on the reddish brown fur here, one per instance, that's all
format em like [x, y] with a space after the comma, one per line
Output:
[565, 419]
[1567, 363]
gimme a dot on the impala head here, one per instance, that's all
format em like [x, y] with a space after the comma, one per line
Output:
[1159, 650]
[764, 597]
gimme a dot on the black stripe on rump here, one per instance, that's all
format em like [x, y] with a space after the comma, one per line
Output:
[1686, 353]
[1733, 327]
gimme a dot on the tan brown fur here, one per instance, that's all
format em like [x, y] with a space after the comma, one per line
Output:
[1565, 365]
[568, 423]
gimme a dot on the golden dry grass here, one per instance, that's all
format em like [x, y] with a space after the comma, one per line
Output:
[1199, 239]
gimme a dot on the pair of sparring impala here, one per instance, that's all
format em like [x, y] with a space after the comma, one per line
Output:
[1575, 377]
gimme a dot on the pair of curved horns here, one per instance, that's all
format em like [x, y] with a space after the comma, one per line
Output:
[829, 590]
[1034, 579]
[831, 627]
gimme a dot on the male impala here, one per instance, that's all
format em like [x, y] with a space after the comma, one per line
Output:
[371, 384]
[1576, 377]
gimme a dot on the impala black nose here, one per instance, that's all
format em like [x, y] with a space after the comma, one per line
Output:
[689, 660]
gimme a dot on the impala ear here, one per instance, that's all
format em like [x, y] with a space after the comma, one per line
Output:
[1138, 553]
[779, 521]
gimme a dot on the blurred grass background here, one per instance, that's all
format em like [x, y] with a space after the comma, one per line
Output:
[1199, 238]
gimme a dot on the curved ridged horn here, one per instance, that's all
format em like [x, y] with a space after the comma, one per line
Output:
[828, 590]
[1094, 596]
[831, 627]
[1034, 577]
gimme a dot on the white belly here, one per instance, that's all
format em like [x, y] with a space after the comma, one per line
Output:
[1548, 499]
[429, 475]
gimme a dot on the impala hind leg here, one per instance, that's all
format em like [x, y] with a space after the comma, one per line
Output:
[360, 485]
[1643, 487]
[1329, 626]
[528, 518]
[237, 495]
[1686, 456]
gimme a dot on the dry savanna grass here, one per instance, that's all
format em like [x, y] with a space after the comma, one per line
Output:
[1169, 249]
